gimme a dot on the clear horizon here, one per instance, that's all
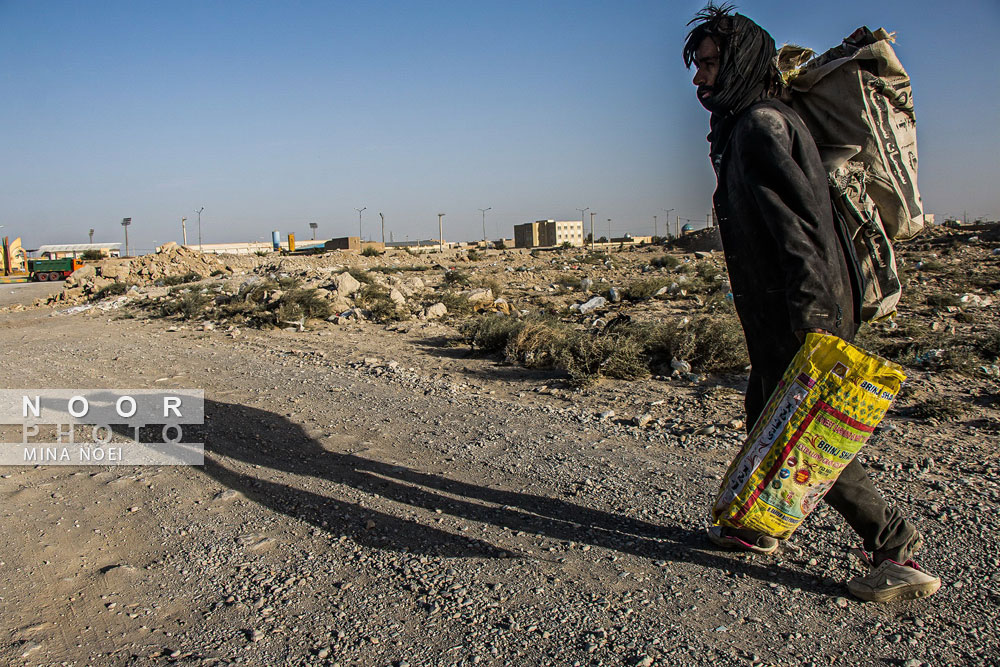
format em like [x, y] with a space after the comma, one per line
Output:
[272, 116]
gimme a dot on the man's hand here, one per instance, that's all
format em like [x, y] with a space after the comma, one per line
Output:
[801, 333]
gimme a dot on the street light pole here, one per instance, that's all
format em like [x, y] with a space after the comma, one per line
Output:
[483, 211]
[363, 208]
[382, 218]
[582, 211]
[592, 231]
[184, 231]
[198, 211]
[440, 233]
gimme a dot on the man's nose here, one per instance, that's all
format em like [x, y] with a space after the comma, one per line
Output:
[699, 77]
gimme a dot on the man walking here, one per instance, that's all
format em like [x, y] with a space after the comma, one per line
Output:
[788, 269]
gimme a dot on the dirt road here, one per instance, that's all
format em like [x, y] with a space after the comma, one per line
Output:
[375, 497]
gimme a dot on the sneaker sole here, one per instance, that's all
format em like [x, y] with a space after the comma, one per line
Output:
[911, 592]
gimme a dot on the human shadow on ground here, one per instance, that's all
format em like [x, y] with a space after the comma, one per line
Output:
[270, 441]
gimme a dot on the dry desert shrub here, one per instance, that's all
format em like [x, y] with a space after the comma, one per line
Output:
[712, 344]
[187, 306]
[298, 304]
[456, 278]
[360, 275]
[588, 356]
[642, 290]
[569, 282]
[457, 304]
[490, 333]
[189, 277]
[537, 344]
[669, 262]
[492, 284]
[114, 289]
[375, 299]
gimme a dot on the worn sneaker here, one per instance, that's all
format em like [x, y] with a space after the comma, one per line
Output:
[742, 539]
[890, 580]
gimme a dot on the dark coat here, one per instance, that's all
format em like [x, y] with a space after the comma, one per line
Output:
[785, 256]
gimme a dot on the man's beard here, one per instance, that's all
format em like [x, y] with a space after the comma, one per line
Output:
[708, 101]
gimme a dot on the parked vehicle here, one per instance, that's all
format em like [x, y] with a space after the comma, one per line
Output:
[53, 269]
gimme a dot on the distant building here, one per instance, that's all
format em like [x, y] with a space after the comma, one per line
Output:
[526, 235]
[77, 249]
[545, 233]
[247, 248]
[344, 243]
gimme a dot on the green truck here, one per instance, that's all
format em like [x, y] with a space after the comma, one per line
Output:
[53, 269]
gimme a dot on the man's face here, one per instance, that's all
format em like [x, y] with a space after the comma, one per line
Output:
[706, 59]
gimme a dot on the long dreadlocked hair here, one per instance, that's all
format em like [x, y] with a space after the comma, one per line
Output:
[747, 67]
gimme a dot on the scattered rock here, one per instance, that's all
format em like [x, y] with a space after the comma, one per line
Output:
[593, 304]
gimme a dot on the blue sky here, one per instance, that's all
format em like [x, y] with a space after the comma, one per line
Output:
[275, 115]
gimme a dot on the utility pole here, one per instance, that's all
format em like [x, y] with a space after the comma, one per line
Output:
[592, 239]
[483, 210]
[382, 218]
[125, 223]
[668, 211]
[199, 226]
[654, 227]
[677, 228]
[359, 222]
[609, 233]
[440, 233]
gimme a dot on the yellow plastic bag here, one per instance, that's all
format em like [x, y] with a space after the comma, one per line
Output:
[830, 399]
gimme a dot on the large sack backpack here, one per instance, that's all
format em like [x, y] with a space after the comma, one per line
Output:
[856, 101]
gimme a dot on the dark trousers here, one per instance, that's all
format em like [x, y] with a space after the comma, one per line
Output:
[884, 530]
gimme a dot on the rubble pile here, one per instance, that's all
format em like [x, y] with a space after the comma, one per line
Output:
[703, 240]
[169, 260]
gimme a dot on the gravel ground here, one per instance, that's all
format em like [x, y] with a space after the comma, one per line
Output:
[376, 496]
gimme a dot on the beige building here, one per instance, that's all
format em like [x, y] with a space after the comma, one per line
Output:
[545, 233]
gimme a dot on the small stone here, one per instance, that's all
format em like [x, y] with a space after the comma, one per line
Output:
[593, 304]
[842, 602]
[436, 311]
[29, 648]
